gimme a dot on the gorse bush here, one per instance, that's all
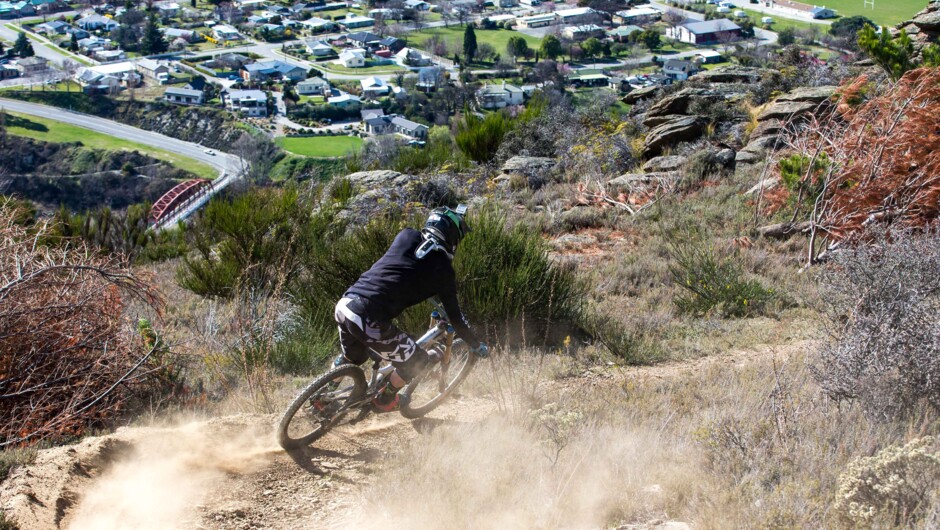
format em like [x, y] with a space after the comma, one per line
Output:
[714, 281]
[284, 243]
[883, 302]
[479, 138]
[896, 486]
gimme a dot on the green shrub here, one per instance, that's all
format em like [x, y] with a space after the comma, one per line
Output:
[713, 280]
[479, 138]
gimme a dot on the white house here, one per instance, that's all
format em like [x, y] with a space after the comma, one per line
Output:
[96, 22]
[352, 22]
[250, 102]
[352, 59]
[412, 57]
[224, 32]
[537, 21]
[154, 71]
[318, 48]
[678, 69]
[107, 56]
[315, 86]
[345, 101]
[715, 31]
[637, 15]
[373, 87]
[183, 96]
[499, 96]
[822, 12]
[418, 5]
[167, 8]
[317, 24]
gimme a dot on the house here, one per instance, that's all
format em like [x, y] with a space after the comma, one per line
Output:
[167, 8]
[352, 22]
[588, 79]
[364, 39]
[622, 33]
[582, 32]
[637, 15]
[227, 62]
[392, 44]
[224, 32]
[187, 35]
[32, 66]
[537, 21]
[154, 71]
[413, 58]
[368, 114]
[578, 15]
[107, 56]
[386, 13]
[183, 96]
[315, 86]
[679, 69]
[822, 13]
[715, 31]
[8, 71]
[96, 22]
[56, 27]
[108, 77]
[710, 57]
[394, 124]
[16, 9]
[318, 24]
[499, 96]
[373, 87]
[93, 44]
[352, 59]
[252, 103]
[318, 48]
[345, 101]
[274, 69]
[79, 33]
[417, 5]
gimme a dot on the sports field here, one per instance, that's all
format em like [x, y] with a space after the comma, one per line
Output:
[885, 13]
[321, 146]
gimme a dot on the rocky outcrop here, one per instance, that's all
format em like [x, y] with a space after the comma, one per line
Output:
[924, 28]
[817, 94]
[656, 121]
[635, 96]
[629, 181]
[664, 163]
[373, 180]
[748, 157]
[681, 129]
[785, 110]
[528, 165]
[733, 74]
[767, 127]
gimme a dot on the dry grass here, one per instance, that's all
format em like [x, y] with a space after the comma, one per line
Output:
[727, 444]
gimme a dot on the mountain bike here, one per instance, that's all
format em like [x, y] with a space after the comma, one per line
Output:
[342, 395]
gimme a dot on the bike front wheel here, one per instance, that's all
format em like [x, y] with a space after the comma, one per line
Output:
[426, 392]
[321, 406]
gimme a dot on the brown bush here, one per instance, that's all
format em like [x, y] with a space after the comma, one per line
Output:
[67, 360]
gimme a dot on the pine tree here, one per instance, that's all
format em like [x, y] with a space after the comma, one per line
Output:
[73, 45]
[23, 47]
[153, 41]
[469, 43]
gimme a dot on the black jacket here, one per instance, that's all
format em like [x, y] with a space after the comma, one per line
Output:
[399, 280]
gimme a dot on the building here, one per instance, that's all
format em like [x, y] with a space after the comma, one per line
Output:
[637, 15]
[275, 69]
[96, 22]
[679, 69]
[315, 86]
[368, 114]
[413, 58]
[364, 39]
[252, 103]
[417, 5]
[710, 57]
[391, 44]
[622, 33]
[373, 87]
[345, 101]
[56, 27]
[8, 71]
[582, 32]
[93, 44]
[317, 25]
[154, 71]
[394, 124]
[226, 33]
[32, 66]
[718, 31]
[318, 48]
[183, 96]
[537, 21]
[107, 56]
[822, 13]
[500, 96]
[588, 79]
[352, 59]
[167, 8]
[108, 77]
[577, 16]
[352, 22]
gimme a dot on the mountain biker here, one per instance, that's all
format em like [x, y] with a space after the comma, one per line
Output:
[416, 267]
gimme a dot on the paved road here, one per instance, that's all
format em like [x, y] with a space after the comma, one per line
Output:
[225, 163]
[42, 46]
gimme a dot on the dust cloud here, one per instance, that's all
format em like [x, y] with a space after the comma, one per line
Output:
[505, 474]
[160, 484]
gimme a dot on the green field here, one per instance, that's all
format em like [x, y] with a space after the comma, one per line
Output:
[321, 146]
[370, 69]
[453, 36]
[58, 132]
[886, 12]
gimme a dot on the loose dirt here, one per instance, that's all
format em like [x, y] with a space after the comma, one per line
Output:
[229, 473]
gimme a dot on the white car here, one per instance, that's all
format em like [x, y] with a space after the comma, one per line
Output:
[209, 152]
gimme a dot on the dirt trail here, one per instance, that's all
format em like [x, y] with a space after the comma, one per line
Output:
[229, 473]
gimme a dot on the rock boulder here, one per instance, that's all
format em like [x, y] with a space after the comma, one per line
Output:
[785, 110]
[683, 129]
[664, 163]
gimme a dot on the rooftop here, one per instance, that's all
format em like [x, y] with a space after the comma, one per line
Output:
[711, 26]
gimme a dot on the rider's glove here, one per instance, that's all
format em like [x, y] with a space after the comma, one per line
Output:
[482, 351]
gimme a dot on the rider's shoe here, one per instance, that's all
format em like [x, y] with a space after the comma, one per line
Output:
[387, 401]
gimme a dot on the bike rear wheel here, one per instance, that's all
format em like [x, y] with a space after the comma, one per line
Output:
[428, 391]
[321, 406]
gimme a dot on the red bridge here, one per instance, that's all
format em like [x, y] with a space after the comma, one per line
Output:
[178, 196]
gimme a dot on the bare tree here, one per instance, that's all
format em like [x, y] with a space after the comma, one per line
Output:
[258, 155]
